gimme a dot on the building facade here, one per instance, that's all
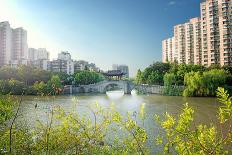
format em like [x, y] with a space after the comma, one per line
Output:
[13, 45]
[206, 40]
[38, 54]
[123, 68]
[19, 44]
[5, 43]
[169, 54]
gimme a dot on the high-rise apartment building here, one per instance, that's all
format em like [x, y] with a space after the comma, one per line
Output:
[5, 43]
[13, 45]
[179, 35]
[206, 40]
[19, 44]
[169, 53]
[196, 40]
[225, 33]
[210, 32]
[188, 44]
[164, 51]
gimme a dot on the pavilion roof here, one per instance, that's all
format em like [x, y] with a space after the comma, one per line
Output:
[114, 73]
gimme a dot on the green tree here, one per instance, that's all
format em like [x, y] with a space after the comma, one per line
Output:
[182, 137]
[204, 84]
[88, 77]
[170, 85]
[154, 78]
[194, 84]
[138, 79]
[213, 79]
[55, 85]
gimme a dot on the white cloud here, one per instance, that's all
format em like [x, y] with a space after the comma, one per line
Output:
[172, 3]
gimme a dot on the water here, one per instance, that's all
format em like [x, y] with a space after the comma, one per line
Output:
[205, 108]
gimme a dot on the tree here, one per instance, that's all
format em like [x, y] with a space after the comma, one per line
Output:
[213, 79]
[138, 79]
[193, 82]
[154, 78]
[41, 88]
[204, 84]
[182, 136]
[55, 85]
[170, 85]
[88, 77]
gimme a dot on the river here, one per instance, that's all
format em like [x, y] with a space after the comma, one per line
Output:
[205, 108]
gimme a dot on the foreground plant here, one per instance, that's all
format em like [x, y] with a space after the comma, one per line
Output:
[109, 132]
[181, 136]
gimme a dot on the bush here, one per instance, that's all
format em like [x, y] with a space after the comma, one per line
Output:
[69, 133]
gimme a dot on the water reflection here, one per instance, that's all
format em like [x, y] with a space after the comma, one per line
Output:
[134, 92]
[205, 108]
[115, 94]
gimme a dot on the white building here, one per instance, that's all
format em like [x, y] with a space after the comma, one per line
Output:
[64, 55]
[19, 44]
[123, 68]
[64, 63]
[13, 45]
[5, 43]
[168, 50]
[38, 54]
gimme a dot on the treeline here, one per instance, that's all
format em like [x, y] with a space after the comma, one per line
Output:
[198, 80]
[113, 133]
[86, 77]
[33, 81]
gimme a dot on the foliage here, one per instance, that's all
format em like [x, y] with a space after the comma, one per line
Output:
[54, 85]
[6, 108]
[205, 84]
[182, 137]
[198, 80]
[12, 86]
[41, 88]
[153, 74]
[170, 85]
[109, 132]
[88, 77]
[26, 74]
[138, 79]
[69, 133]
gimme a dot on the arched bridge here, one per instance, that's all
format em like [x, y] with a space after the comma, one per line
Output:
[100, 87]
[103, 86]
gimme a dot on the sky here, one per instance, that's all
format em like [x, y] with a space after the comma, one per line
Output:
[104, 32]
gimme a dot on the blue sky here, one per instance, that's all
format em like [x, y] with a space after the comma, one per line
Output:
[105, 32]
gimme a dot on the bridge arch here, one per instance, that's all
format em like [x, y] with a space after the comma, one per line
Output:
[113, 86]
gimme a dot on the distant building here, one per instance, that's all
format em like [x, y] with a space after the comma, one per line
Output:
[38, 54]
[5, 43]
[84, 65]
[41, 63]
[19, 44]
[123, 68]
[66, 56]
[13, 45]
[16, 63]
[204, 40]
[64, 63]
